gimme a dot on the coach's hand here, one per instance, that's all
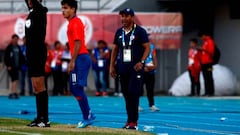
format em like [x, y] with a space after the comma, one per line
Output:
[71, 66]
[138, 66]
[113, 72]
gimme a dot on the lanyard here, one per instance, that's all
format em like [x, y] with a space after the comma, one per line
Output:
[131, 36]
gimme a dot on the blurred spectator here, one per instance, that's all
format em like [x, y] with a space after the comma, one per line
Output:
[118, 91]
[194, 66]
[100, 56]
[23, 74]
[48, 69]
[149, 77]
[66, 57]
[56, 65]
[13, 58]
[206, 62]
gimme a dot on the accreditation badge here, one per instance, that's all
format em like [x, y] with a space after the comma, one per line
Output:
[100, 63]
[127, 55]
[190, 61]
[64, 66]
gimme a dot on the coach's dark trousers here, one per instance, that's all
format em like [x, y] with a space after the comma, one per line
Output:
[208, 79]
[131, 83]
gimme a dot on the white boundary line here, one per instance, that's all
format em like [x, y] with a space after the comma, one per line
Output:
[18, 132]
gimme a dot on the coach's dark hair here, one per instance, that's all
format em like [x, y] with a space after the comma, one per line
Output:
[71, 3]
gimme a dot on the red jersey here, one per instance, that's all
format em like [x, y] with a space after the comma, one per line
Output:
[48, 68]
[76, 32]
[194, 59]
[207, 51]
[57, 56]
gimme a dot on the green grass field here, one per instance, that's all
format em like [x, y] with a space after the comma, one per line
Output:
[10, 126]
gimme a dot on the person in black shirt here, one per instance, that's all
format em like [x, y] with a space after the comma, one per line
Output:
[132, 43]
[13, 59]
[35, 32]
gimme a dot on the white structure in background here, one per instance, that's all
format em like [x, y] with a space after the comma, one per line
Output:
[225, 83]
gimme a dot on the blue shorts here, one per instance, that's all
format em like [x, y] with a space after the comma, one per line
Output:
[79, 75]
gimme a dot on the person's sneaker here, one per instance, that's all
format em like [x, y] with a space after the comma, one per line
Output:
[154, 108]
[43, 124]
[125, 125]
[13, 96]
[131, 125]
[38, 123]
[104, 93]
[98, 94]
[115, 94]
[92, 117]
[85, 123]
[22, 94]
[10, 96]
[120, 94]
[16, 96]
[33, 123]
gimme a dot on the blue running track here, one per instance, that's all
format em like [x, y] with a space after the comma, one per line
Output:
[177, 115]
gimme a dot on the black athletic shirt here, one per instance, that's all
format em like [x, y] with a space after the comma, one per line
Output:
[35, 30]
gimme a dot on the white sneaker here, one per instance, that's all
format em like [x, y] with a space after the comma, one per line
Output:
[115, 94]
[140, 108]
[120, 94]
[154, 108]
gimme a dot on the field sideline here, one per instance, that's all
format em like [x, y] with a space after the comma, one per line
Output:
[177, 115]
[17, 126]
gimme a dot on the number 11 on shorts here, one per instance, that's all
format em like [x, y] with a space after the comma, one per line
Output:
[74, 78]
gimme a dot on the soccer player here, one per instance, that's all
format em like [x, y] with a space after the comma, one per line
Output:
[80, 62]
[35, 32]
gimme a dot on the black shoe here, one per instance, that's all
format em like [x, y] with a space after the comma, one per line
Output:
[10, 96]
[22, 94]
[30, 93]
[39, 123]
[13, 96]
[205, 95]
[33, 123]
[43, 124]
[190, 95]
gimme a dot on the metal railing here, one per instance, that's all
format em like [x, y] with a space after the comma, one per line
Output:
[19, 6]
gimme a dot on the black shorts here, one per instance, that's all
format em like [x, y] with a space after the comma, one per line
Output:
[13, 74]
[36, 63]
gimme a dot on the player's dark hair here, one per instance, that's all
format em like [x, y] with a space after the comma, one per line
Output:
[71, 3]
